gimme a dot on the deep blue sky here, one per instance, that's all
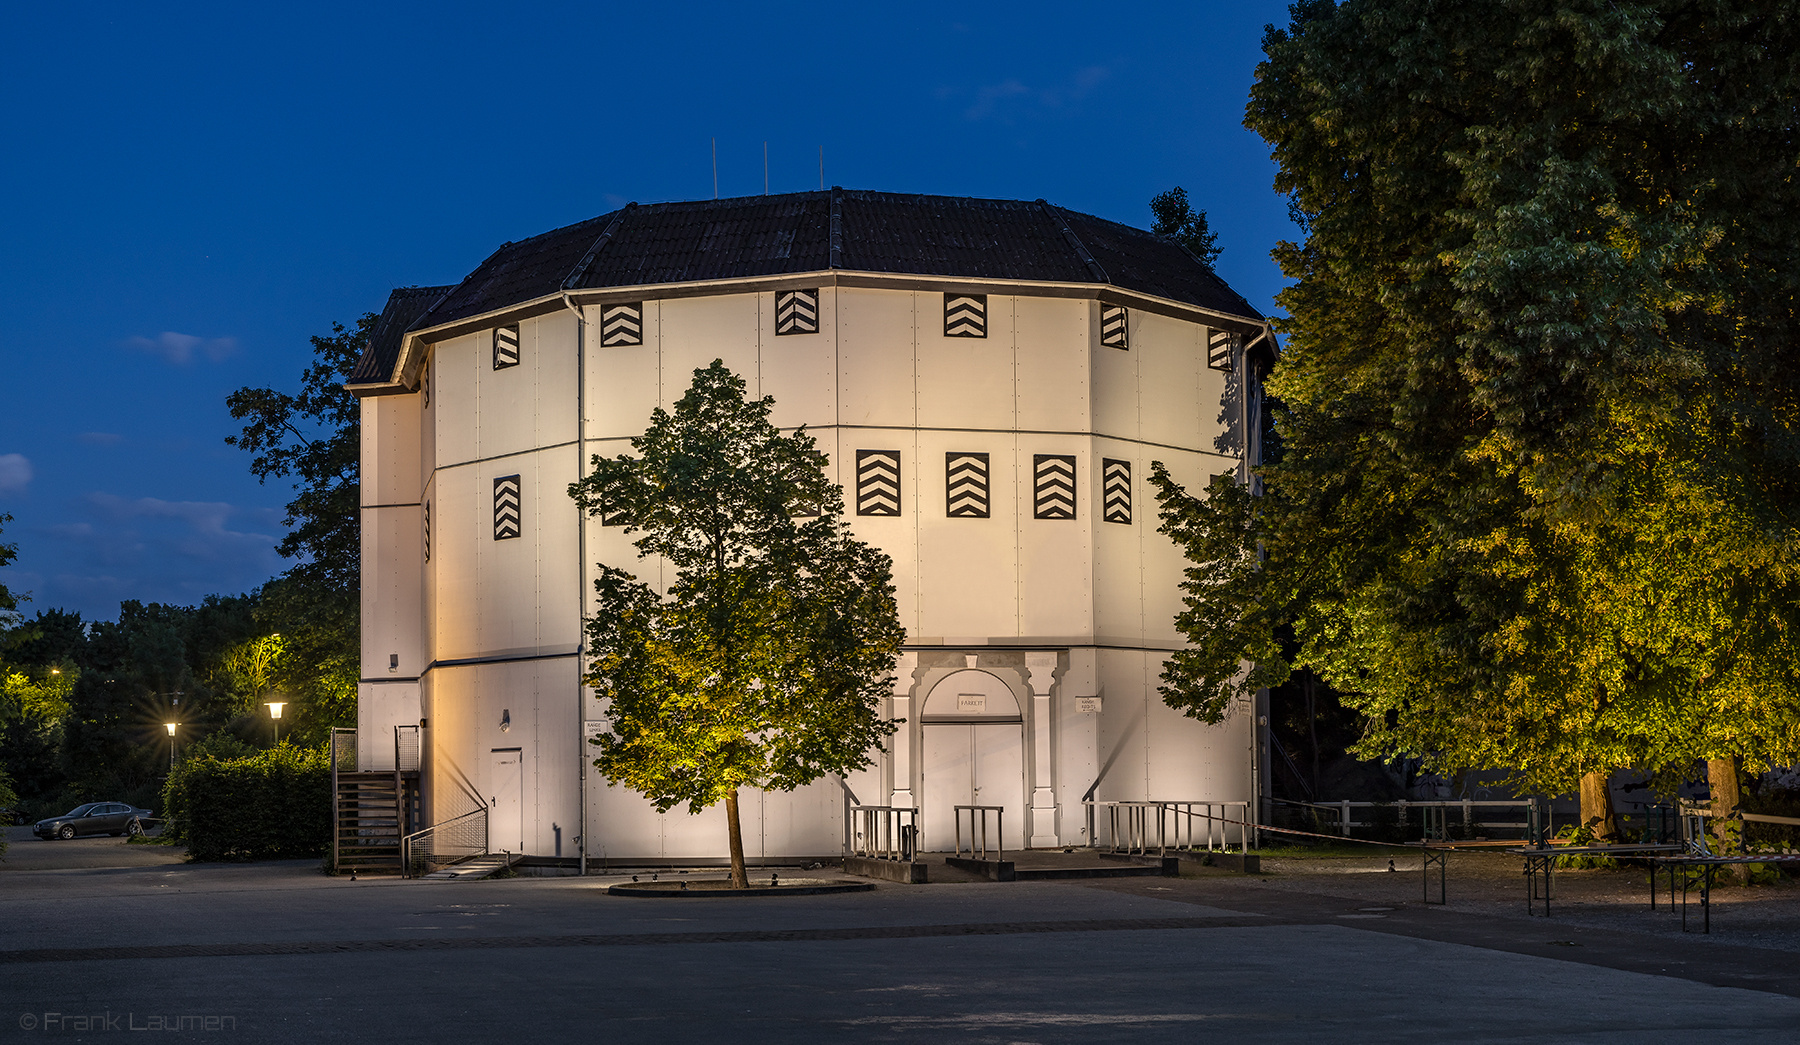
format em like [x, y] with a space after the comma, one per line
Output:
[192, 190]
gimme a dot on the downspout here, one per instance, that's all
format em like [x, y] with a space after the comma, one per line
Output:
[581, 759]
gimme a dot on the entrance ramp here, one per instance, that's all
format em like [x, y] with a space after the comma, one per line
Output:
[475, 868]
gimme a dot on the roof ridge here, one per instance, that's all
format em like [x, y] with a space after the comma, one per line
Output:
[1081, 250]
[837, 226]
[587, 260]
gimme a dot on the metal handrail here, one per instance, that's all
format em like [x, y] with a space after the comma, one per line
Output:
[424, 842]
[1180, 825]
[981, 813]
[881, 832]
[339, 736]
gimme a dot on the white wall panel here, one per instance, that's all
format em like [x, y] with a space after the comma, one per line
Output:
[1055, 555]
[800, 370]
[453, 370]
[505, 400]
[875, 355]
[1170, 357]
[390, 449]
[1119, 565]
[966, 566]
[1114, 393]
[392, 591]
[380, 706]
[696, 331]
[1051, 351]
[624, 383]
[553, 370]
[461, 521]
[965, 382]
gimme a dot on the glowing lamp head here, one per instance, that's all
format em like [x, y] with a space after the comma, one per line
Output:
[275, 707]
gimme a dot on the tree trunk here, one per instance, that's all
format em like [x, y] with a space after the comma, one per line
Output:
[739, 878]
[1597, 807]
[1726, 830]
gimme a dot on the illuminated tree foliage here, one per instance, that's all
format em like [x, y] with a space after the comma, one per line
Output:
[312, 438]
[1535, 504]
[765, 662]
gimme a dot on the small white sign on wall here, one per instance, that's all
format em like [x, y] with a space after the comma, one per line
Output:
[971, 702]
[1087, 705]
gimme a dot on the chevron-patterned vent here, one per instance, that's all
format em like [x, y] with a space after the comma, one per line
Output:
[1054, 485]
[878, 482]
[506, 507]
[797, 312]
[427, 531]
[622, 324]
[1115, 491]
[1112, 326]
[506, 347]
[965, 315]
[966, 486]
[1221, 346]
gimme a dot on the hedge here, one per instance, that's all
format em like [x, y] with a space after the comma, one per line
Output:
[276, 803]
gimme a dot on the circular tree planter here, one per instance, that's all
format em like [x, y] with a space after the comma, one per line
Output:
[721, 888]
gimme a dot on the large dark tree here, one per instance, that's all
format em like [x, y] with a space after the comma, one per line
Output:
[312, 438]
[1541, 436]
[764, 663]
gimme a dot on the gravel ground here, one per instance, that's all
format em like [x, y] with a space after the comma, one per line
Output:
[1494, 884]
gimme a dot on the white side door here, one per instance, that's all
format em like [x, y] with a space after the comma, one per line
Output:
[506, 792]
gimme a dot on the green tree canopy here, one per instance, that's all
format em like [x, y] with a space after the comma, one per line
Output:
[1176, 219]
[764, 663]
[313, 438]
[1535, 505]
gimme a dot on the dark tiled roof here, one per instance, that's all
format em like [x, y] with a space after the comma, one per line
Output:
[845, 229]
[404, 307]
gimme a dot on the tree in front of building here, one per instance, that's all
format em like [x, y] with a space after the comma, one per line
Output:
[764, 661]
[312, 438]
[1540, 452]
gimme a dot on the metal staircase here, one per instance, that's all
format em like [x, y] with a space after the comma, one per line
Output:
[372, 809]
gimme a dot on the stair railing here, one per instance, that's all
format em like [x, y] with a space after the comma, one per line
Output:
[343, 756]
[456, 839]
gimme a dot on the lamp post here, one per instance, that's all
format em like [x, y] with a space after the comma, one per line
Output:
[170, 726]
[275, 707]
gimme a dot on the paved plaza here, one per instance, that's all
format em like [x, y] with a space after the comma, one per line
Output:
[277, 952]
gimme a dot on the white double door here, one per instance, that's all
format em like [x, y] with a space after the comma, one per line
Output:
[972, 764]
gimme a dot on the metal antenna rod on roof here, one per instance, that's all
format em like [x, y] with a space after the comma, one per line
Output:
[715, 142]
[765, 168]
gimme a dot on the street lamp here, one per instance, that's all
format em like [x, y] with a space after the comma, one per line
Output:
[275, 707]
[170, 726]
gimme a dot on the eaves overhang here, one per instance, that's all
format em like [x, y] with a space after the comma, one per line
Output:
[416, 344]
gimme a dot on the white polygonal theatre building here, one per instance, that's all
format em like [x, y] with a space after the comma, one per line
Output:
[991, 379]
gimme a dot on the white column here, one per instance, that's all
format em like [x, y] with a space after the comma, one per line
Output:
[900, 744]
[1041, 668]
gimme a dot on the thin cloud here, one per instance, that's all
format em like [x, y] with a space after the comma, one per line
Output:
[1003, 98]
[205, 519]
[181, 349]
[15, 471]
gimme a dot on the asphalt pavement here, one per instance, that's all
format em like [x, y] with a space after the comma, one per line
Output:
[277, 952]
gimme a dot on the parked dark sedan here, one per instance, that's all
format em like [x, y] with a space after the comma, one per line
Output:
[94, 818]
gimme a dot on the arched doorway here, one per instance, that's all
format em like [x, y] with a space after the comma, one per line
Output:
[973, 754]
